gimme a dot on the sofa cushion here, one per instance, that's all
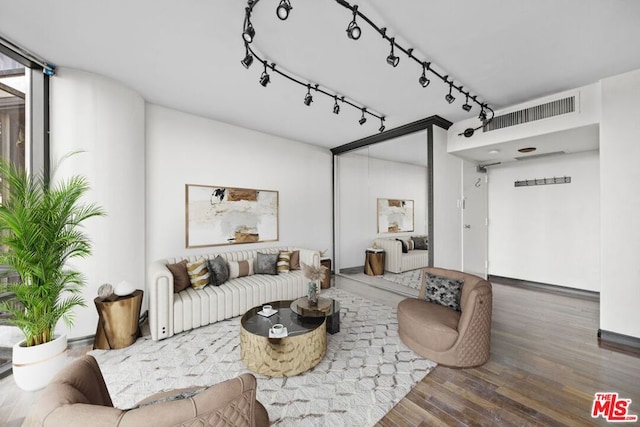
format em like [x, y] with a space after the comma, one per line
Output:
[410, 245]
[443, 291]
[430, 325]
[294, 262]
[198, 274]
[240, 268]
[284, 260]
[404, 246]
[218, 271]
[180, 275]
[267, 263]
[420, 242]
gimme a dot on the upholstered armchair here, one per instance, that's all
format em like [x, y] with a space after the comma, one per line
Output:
[78, 396]
[452, 338]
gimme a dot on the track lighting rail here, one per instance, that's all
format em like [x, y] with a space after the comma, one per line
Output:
[354, 33]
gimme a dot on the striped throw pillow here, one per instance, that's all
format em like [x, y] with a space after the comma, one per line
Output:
[284, 259]
[240, 268]
[198, 274]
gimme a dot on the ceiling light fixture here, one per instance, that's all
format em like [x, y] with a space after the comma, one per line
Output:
[336, 107]
[283, 9]
[467, 106]
[248, 60]
[363, 119]
[381, 128]
[353, 31]
[483, 114]
[448, 97]
[308, 99]
[265, 78]
[423, 80]
[392, 59]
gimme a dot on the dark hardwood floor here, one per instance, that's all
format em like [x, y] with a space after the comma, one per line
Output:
[544, 369]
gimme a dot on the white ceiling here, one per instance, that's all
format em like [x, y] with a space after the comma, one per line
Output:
[186, 54]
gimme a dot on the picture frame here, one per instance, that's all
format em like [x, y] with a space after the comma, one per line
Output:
[395, 215]
[218, 215]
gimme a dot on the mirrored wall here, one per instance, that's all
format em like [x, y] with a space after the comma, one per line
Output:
[392, 172]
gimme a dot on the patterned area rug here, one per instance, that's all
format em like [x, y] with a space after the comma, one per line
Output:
[411, 279]
[365, 372]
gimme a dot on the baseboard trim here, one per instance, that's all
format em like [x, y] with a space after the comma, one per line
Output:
[619, 342]
[546, 287]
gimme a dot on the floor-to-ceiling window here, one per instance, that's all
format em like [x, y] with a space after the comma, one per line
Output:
[23, 141]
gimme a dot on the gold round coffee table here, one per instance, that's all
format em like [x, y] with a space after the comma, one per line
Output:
[301, 350]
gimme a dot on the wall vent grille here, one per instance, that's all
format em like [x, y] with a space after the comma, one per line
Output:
[539, 112]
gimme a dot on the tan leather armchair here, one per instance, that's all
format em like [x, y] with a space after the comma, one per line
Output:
[78, 396]
[448, 337]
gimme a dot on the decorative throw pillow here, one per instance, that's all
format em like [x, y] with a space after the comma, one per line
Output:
[218, 271]
[198, 274]
[284, 262]
[421, 242]
[294, 262]
[180, 276]
[410, 245]
[267, 263]
[240, 268]
[443, 291]
[404, 246]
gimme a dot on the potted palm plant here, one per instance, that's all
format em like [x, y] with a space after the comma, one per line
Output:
[40, 230]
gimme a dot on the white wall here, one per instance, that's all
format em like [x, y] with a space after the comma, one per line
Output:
[186, 149]
[446, 243]
[106, 120]
[361, 181]
[620, 204]
[546, 233]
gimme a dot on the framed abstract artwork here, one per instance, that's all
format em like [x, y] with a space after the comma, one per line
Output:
[228, 216]
[395, 215]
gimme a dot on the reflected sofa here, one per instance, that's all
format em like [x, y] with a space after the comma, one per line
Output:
[397, 262]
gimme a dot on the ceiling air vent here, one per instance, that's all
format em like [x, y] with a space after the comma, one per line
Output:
[539, 112]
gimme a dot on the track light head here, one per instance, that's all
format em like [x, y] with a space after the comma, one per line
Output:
[392, 59]
[308, 99]
[448, 97]
[247, 61]
[283, 9]
[336, 107]
[467, 106]
[353, 31]
[483, 115]
[363, 119]
[381, 128]
[423, 80]
[249, 33]
[264, 77]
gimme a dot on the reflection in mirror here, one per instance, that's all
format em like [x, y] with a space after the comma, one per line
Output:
[394, 171]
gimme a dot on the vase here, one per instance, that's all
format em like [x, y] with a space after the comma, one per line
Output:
[313, 294]
[35, 366]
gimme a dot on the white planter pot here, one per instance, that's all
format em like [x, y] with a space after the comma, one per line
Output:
[34, 367]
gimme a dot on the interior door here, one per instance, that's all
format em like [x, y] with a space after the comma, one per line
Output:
[474, 220]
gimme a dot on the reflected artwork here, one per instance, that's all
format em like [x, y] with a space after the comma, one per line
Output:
[395, 215]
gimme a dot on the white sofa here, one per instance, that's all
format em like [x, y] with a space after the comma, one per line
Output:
[397, 262]
[171, 313]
